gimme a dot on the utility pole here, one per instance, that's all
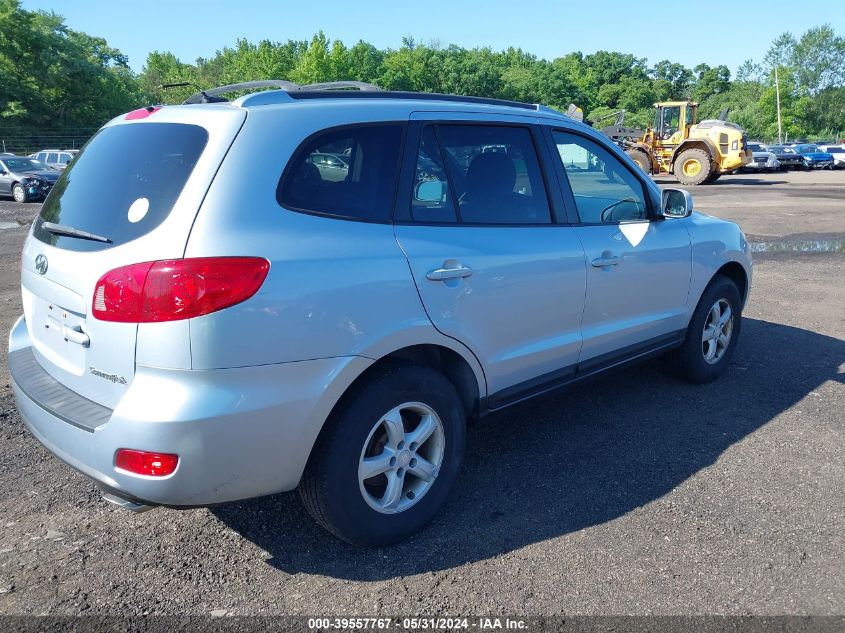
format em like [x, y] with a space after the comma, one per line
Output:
[777, 94]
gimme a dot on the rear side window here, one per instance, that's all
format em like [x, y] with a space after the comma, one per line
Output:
[432, 200]
[494, 174]
[123, 183]
[349, 172]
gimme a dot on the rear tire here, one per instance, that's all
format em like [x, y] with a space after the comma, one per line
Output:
[713, 177]
[712, 333]
[693, 167]
[19, 193]
[374, 429]
[641, 159]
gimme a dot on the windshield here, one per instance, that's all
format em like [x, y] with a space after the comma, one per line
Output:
[24, 164]
[808, 149]
[122, 184]
[754, 147]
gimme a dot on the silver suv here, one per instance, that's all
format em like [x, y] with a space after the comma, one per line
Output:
[316, 289]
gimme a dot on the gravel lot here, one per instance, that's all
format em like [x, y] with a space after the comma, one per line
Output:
[635, 494]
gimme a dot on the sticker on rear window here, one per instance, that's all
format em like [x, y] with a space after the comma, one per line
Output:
[138, 209]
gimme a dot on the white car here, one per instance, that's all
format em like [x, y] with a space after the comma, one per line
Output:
[762, 159]
[838, 153]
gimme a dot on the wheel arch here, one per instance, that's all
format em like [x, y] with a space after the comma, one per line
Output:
[735, 271]
[457, 369]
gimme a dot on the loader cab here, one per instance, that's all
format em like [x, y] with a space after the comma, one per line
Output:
[672, 120]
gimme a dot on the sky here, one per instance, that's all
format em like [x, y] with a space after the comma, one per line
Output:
[717, 32]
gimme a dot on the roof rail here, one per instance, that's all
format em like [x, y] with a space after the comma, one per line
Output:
[288, 91]
[419, 96]
[340, 85]
[212, 94]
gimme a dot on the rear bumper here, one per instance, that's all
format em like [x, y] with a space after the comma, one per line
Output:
[239, 433]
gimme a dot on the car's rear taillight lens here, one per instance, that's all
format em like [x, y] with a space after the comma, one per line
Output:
[145, 462]
[174, 289]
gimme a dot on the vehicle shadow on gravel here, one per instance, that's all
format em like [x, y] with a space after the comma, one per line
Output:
[569, 462]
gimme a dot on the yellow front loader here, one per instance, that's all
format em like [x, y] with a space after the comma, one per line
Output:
[695, 153]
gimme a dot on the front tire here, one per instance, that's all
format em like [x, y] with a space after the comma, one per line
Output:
[387, 458]
[693, 167]
[19, 193]
[641, 159]
[712, 333]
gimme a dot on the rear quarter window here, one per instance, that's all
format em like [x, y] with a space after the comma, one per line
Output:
[348, 172]
[122, 184]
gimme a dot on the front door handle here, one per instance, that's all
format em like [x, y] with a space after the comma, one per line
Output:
[607, 260]
[442, 274]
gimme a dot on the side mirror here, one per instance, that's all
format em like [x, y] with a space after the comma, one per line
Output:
[677, 203]
[430, 191]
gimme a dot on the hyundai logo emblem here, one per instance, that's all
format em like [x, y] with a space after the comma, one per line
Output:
[41, 264]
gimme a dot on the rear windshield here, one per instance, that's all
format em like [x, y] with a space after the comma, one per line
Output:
[122, 184]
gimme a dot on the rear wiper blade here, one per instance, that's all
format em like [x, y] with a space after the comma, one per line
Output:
[61, 229]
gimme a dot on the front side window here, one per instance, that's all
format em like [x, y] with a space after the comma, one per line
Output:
[605, 190]
[494, 174]
[348, 172]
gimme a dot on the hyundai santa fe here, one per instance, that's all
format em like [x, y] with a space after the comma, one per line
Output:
[316, 287]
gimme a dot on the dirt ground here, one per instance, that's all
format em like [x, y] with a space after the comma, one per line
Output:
[635, 494]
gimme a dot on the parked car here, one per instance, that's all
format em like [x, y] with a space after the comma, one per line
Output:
[56, 158]
[336, 337]
[25, 179]
[838, 153]
[786, 156]
[332, 168]
[814, 158]
[762, 159]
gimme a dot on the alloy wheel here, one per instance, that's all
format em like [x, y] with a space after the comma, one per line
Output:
[401, 458]
[718, 329]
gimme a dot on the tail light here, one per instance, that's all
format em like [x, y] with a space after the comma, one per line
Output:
[170, 290]
[145, 462]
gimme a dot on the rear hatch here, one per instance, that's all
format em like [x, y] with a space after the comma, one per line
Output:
[133, 191]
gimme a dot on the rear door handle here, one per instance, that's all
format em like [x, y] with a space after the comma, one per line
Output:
[442, 274]
[601, 262]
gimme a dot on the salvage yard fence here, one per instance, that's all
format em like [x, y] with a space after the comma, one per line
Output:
[23, 141]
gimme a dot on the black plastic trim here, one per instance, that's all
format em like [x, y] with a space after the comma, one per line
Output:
[52, 396]
[572, 374]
